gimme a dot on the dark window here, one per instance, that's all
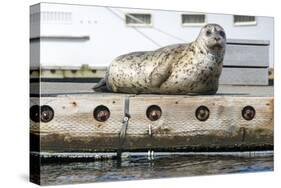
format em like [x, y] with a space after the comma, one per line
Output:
[138, 19]
[193, 19]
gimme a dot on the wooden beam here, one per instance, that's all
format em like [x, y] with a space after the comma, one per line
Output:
[74, 127]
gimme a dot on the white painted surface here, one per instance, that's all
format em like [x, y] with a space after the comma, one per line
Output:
[111, 37]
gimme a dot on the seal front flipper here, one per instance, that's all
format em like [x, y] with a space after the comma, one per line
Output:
[101, 86]
[160, 74]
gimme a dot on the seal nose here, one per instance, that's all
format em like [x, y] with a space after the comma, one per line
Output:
[216, 38]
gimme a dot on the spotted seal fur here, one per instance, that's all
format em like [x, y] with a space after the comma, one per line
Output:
[190, 68]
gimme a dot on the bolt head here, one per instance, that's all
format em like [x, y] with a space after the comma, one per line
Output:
[202, 113]
[125, 118]
[47, 113]
[101, 113]
[34, 113]
[248, 113]
[153, 112]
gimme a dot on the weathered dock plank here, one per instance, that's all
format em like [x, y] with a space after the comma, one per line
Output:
[74, 127]
[58, 88]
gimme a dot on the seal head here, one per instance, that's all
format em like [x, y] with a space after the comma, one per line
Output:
[212, 38]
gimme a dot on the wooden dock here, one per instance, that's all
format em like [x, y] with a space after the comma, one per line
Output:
[238, 118]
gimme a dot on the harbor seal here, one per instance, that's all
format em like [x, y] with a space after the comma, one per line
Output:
[189, 68]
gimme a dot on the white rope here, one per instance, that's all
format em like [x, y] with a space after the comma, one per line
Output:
[149, 130]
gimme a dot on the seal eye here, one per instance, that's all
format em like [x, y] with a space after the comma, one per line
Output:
[208, 32]
[222, 34]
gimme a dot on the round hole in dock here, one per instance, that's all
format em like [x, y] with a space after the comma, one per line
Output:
[73, 71]
[153, 112]
[34, 113]
[47, 113]
[248, 113]
[202, 113]
[101, 113]
[53, 71]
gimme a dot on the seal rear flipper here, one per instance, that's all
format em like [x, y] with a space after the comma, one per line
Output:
[101, 86]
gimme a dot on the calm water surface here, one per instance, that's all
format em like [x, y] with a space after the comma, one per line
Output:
[140, 167]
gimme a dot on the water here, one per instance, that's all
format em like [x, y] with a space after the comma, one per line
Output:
[140, 167]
